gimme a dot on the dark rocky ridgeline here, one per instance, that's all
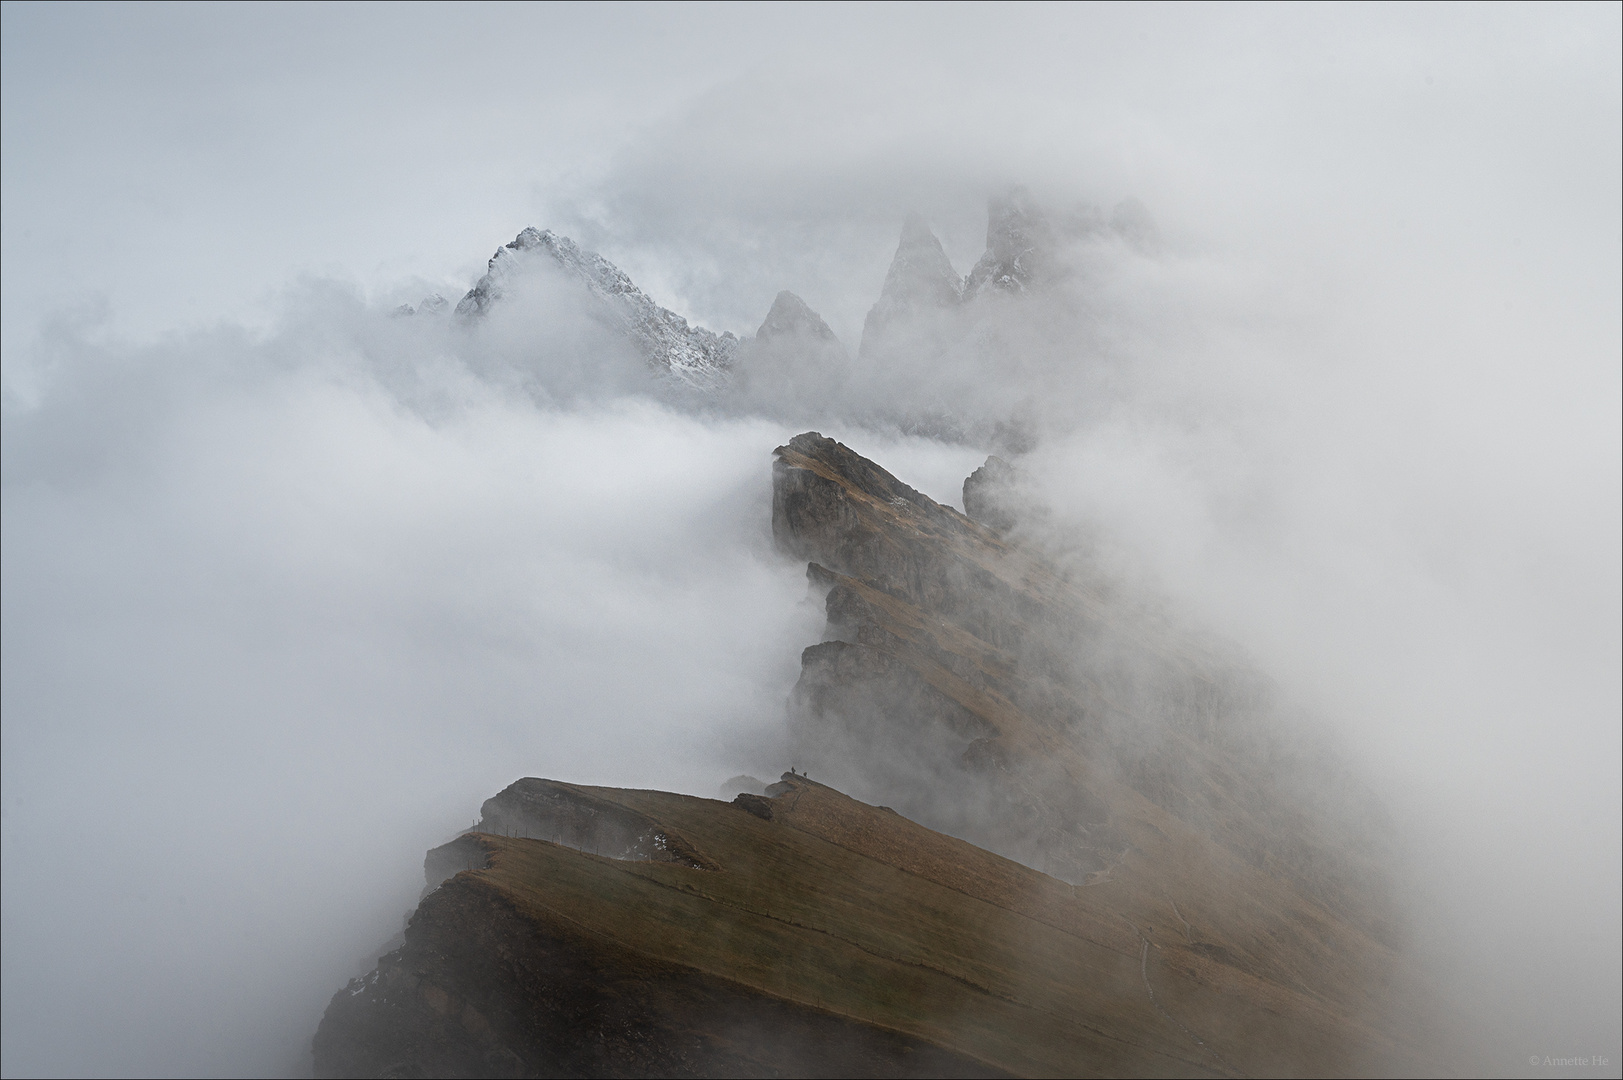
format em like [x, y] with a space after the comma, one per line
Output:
[803, 933]
[532, 956]
[969, 683]
[1013, 657]
[1086, 871]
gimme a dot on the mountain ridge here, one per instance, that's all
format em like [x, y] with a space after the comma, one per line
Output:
[920, 286]
[1044, 900]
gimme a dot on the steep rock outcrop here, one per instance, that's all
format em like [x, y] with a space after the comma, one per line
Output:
[919, 284]
[984, 693]
[1019, 243]
[989, 494]
[565, 814]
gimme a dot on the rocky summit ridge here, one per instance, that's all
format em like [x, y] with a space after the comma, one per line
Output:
[691, 354]
[1049, 839]
[920, 286]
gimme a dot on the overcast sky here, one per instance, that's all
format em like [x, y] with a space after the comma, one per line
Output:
[259, 602]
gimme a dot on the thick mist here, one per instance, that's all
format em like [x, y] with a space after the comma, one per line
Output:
[272, 632]
[293, 583]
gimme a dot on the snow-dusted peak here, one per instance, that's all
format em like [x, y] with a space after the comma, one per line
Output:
[690, 353]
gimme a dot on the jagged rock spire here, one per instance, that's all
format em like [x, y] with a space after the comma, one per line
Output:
[791, 316]
[987, 494]
[1018, 238]
[921, 278]
[920, 273]
[794, 359]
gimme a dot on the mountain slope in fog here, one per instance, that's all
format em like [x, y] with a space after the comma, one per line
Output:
[1112, 849]
[1091, 873]
[594, 931]
[971, 684]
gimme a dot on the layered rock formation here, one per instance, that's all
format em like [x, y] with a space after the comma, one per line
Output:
[1089, 870]
[801, 933]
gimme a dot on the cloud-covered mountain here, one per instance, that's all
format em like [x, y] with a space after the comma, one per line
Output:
[690, 354]
[932, 344]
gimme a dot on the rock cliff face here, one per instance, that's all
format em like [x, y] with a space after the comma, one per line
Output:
[1067, 886]
[992, 496]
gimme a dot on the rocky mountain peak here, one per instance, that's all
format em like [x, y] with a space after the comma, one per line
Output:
[920, 273]
[790, 316]
[988, 494]
[430, 305]
[920, 279]
[1018, 237]
[690, 353]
